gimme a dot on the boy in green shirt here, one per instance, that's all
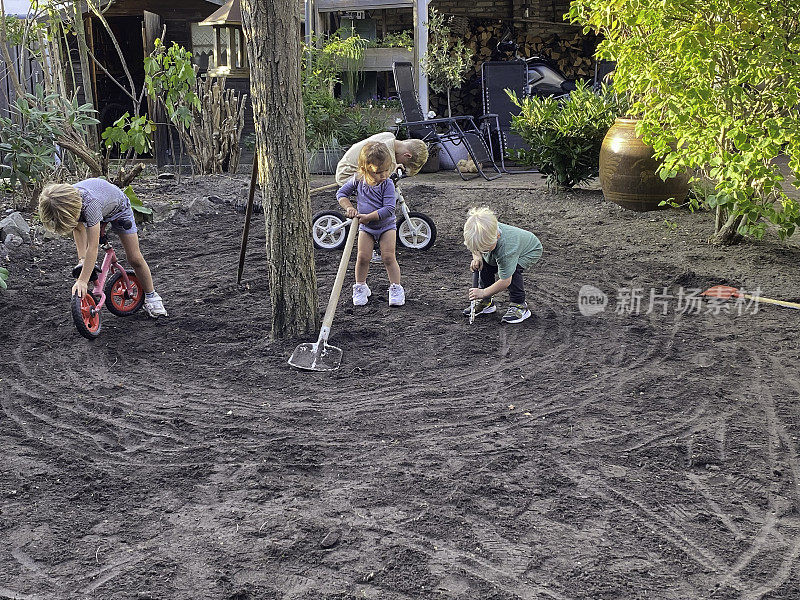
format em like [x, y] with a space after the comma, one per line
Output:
[504, 251]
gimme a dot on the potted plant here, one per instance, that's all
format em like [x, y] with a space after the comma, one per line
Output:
[394, 47]
[629, 171]
[433, 164]
[446, 61]
[323, 111]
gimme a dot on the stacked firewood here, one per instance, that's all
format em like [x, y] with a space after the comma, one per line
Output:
[572, 54]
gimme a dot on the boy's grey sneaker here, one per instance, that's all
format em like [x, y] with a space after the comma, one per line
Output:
[484, 306]
[154, 306]
[516, 313]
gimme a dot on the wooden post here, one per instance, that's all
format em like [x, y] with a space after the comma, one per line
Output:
[90, 43]
[86, 75]
[248, 213]
[420, 48]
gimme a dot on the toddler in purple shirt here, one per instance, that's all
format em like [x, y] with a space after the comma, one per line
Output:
[374, 210]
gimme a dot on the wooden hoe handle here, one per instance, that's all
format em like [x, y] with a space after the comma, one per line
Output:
[337, 285]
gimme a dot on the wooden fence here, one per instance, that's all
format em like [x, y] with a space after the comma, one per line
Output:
[29, 73]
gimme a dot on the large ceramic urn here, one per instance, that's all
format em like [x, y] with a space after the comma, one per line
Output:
[628, 171]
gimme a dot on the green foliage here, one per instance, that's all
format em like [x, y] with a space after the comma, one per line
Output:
[28, 138]
[343, 49]
[320, 73]
[127, 133]
[446, 61]
[170, 77]
[141, 213]
[565, 135]
[323, 113]
[3, 278]
[716, 85]
[363, 120]
[15, 30]
[398, 39]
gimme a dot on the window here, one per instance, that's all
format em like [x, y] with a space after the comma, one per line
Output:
[203, 46]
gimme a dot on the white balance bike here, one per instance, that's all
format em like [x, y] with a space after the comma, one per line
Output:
[415, 230]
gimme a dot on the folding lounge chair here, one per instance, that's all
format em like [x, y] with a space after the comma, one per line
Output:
[457, 130]
[499, 76]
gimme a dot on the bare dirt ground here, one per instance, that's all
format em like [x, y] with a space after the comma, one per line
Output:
[625, 455]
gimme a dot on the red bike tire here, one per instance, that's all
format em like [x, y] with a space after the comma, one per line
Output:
[88, 325]
[116, 302]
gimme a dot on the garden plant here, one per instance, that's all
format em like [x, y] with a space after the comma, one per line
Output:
[716, 88]
[446, 61]
[565, 135]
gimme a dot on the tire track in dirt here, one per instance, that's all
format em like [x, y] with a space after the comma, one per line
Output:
[439, 551]
[610, 382]
[44, 413]
[637, 510]
[776, 517]
[771, 519]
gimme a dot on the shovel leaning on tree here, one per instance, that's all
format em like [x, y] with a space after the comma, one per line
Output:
[725, 292]
[320, 356]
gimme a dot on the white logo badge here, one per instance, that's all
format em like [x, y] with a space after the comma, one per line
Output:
[591, 301]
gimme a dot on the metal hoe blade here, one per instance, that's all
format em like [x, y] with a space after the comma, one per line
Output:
[318, 356]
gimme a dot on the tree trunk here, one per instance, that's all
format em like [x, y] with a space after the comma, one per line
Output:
[272, 29]
[727, 235]
[449, 110]
[86, 76]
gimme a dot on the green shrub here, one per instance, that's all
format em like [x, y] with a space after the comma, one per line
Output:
[398, 39]
[128, 133]
[363, 120]
[141, 213]
[715, 86]
[3, 278]
[321, 71]
[565, 135]
[28, 140]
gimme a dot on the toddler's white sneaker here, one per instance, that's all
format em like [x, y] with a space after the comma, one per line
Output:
[360, 294]
[154, 305]
[397, 295]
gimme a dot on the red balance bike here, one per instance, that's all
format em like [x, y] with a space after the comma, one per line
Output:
[115, 286]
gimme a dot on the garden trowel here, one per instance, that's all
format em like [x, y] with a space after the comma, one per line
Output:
[474, 302]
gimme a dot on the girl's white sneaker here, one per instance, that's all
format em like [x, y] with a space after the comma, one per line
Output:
[397, 295]
[360, 294]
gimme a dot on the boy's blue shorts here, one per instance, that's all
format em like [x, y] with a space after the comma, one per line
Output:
[117, 225]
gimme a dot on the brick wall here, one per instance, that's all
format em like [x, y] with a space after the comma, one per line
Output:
[475, 9]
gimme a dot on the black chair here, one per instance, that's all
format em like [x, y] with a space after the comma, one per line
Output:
[497, 77]
[603, 72]
[456, 130]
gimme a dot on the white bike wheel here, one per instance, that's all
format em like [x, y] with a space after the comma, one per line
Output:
[321, 225]
[425, 232]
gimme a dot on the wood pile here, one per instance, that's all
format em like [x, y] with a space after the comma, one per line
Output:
[571, 53]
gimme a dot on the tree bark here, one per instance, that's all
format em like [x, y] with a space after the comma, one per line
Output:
[86, 79]
[272, 28]
[727, 235]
